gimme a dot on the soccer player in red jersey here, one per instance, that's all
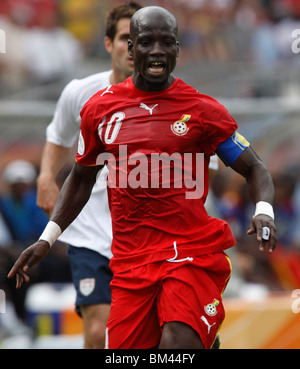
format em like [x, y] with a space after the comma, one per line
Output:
[157, 135]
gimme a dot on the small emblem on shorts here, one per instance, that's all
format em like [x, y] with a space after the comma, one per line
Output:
[87, 286]
[180, 128]
[211, 309]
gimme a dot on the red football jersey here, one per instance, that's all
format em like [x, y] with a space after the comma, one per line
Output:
[157, 146]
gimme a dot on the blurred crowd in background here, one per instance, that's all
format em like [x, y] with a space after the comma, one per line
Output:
[221, 41]
[46, 38]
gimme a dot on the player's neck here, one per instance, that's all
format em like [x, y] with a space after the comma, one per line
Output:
[142, 84]
[117, 77]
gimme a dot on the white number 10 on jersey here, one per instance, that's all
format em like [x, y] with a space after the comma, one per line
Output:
[112, 128]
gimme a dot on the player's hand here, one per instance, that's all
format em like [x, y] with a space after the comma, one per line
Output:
[29, 257]
[267, 238]
[47, 194]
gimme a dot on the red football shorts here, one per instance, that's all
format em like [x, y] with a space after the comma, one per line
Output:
[145, 298]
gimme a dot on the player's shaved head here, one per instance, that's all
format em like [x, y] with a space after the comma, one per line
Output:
[151, 17]
[154, 47]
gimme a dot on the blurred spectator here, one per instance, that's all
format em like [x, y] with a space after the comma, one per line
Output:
[86, 21]
[280, 271]
[286, 260]
[38, 49]
[25, 222]
[13, 69]
[232, 202]
[46, 38]
[272, 37]
[264, 46]
[52, 52]
[296, 200]
[285, 208]
[24, 219]
[234, 206]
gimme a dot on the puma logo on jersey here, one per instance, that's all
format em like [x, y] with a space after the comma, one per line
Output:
[206, 322]
[107, 91]
[144, 106]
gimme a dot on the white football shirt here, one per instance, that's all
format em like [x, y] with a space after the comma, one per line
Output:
[92, 228]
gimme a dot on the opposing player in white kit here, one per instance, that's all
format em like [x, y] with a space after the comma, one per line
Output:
[90, 235]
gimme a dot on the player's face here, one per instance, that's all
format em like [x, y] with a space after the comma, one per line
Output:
[122, 62]
[155, 50]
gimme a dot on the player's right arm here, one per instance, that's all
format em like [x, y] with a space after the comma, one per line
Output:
[61, 134]
[54, 158]
[72, 198]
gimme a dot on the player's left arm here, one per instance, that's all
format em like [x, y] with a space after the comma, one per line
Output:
[240, 156]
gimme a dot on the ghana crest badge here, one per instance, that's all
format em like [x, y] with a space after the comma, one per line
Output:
[211, 309]
[180, 127]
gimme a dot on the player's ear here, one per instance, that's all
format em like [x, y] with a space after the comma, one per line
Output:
[178, 48]
[130, 46]
[108, 43]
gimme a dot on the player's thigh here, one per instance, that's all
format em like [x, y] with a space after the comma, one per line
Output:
[133, 322]
[191, 293]
[177, 335]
